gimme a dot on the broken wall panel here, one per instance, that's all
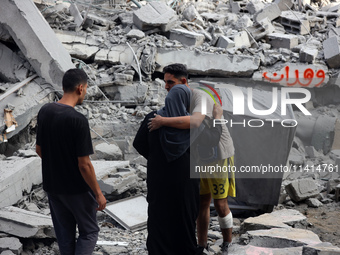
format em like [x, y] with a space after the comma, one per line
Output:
[26, 224]
[209, 63]
[36, 39]
[17, 176]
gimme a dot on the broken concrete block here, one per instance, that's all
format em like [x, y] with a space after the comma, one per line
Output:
[69, 37]
[270, 11]
[108, 152]
[308, 55]
[261, 29]
[321, 249]
[121, 54]
[78, 19]
[277, 40]
[17, 176]
[36, 40]
[10, 62]
[237, 249]
[225, 42]
[12, 244]
[278, 219]
[186, 37]
[81, 51]
[323, 133]
[241, 39]
[123, 79]
[254, 6]
[313, 202]
[243, 22]
[22, 223]
[136, 33]
[332, 52]
[105, 168]
[299, 190]
[155, 14]
[284, 5]
[295, 22]
[191, 14]
[209, 63]
[135, 92]
[282, 238]
[119, 182]
[7, 252]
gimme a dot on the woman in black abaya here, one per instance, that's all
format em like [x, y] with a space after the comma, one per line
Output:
[172, 196]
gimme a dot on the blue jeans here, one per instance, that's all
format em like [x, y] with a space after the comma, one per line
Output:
[67, 211]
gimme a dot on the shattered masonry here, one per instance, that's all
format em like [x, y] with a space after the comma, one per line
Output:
[123, 47]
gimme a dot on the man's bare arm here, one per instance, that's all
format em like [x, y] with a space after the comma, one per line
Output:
[38, 150]
[87, 171]
[182, 122]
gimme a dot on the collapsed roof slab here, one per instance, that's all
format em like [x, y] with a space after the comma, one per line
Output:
[36, 39]
[26, 224]
[209, 63]
[17, 176]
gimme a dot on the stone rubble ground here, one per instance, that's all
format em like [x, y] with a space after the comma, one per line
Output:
[237, 38]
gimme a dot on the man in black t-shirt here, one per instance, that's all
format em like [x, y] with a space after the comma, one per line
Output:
[64, 144]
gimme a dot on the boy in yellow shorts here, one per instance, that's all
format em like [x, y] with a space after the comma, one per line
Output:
[219, 187]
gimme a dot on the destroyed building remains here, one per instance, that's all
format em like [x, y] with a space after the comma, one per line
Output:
[123, 47]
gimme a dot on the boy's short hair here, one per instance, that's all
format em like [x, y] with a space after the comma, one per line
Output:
[72, 78]
[177, 70]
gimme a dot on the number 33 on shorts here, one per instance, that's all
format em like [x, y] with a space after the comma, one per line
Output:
[218, 189]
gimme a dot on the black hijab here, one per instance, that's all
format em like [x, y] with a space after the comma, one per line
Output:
[175, 141]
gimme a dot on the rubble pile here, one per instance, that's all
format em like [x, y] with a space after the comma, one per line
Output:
[123, 47]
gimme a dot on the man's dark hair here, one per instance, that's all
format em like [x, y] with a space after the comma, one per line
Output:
[72, 78]
[177, 70]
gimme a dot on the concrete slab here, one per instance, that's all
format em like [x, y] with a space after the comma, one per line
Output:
[11, 244]
[225, 42]
[295, 22]
[104, 168]
[131, 212]
[282, 238]
[308, 55]
[278, 40]
[17, 176]
[299, 190]
[279, 219]
[270, 11]
[186, 37]
[26, 224]
[237, 249]
[119, 182]
[36, 39]
[154, 14]
[209, 63]
[108, 151]
[321, 249]
[331, 49]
